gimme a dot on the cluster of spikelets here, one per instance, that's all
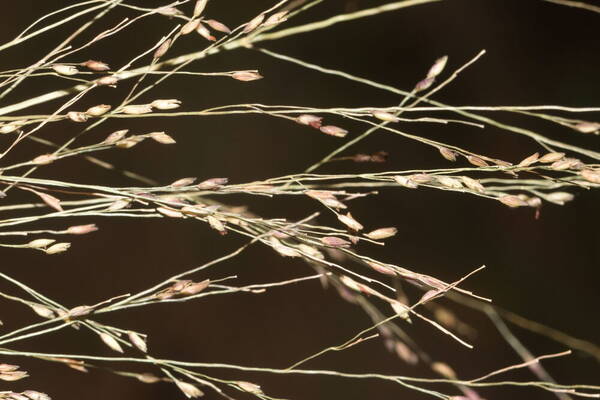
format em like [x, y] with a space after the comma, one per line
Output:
[329, 250]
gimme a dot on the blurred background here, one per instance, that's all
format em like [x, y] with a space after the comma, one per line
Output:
[545, 269]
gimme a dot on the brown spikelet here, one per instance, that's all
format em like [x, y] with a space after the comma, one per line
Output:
[199, 7]
[77, 116]
[44, 159]
[385, 116]
[246, 76]
[478, 162]
[111, 342]
[591, 175]
[98, 110]
[447, 153]
[115, 136]
[382, 233]
[526, 162]
[190, 27]
[162, 49]
[137, 109]
[50, 200]
[183, 182]
[82, 229]
[137, 341]
[350, 222]
[58, 248]
[551, 157]
[333, 130]
[162, 138]
[512, 201]
[95, 65]
[217, 26]
[335, 241]
[205, 32]
[254, 23]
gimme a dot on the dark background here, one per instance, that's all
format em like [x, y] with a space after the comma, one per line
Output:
[545, 269]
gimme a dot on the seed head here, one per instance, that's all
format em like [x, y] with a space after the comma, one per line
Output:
[588, 127]
[137, 109]
[335, 241]
[11, 127]
[216, 224]
[82, 229]
[137, 341]
[190, 27]
[254, 23]
[162, 138]
[169, 212]
[77, 116]
[249, 387]
[246, 76]
[44, 159]
[98, 110]
[444, 370]
[449, 182]
[560, 197]
[591, 175]
[33, 395]
[424, 84]
[205, 32]
[212, 183]
[447, 153]
[66, 70]
[169, 11]
[162, 49]
[406, 182]
[382, 233]
[385, 116]
[147, 377]
[95, 65]
[58, 248]
[333, 130]
[108, 80]
[421, 178]
[42, 311]
[472, 184]
[478, 162]
[111, 342]
[282, 249]
[564, 164]
[551, 157]
[534, 202]
[217, 26]
[195, 287]
[400, 309]
[350, 222]
[382, 269]
[40, 243]
[276, 18]
[11, 376]
[129, 142]
[8, 368]
[190, 391]
[80, 311]
[512, 201]
[437, 67]
[168, 104]
[115, 137]
[50, 200]
[310, 120]
[199, 7]
[183, 182]
[529, 160]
